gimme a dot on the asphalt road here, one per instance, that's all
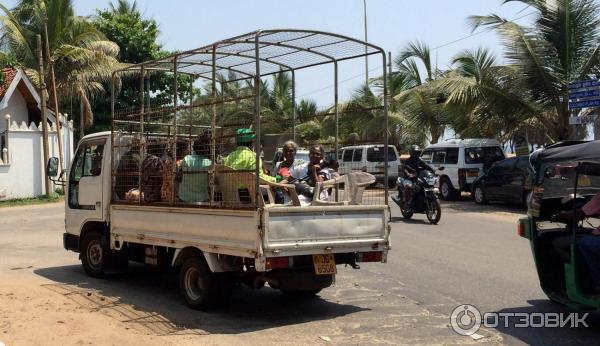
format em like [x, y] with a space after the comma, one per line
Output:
[472, 257]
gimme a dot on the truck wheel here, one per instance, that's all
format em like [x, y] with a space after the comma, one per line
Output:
[93, 254]
[447, 191]
[198, 286]
[299, 295]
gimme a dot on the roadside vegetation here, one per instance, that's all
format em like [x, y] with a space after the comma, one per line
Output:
[31, 201]
[476, 97]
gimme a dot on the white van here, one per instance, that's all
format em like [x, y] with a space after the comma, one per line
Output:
[463, 161]
[370, 159]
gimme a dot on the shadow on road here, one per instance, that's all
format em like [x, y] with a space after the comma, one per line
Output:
[147, 300]
[547, 336]
[414, 221]
[466, 204]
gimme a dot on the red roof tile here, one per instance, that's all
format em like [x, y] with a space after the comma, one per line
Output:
[9, 74]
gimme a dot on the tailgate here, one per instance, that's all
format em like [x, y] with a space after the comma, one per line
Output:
[318, 229]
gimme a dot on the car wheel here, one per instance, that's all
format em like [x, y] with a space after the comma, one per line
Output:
[93, 254]
[198, 286]
[447, 191]
[479, 195]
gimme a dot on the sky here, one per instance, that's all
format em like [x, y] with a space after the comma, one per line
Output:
[391, 25]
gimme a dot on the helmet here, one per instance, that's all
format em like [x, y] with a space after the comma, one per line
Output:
[414, 150]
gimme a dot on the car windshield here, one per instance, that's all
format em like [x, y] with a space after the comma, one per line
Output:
[487, 155]
[375, 154]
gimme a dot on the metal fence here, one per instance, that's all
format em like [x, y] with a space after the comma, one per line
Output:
[206, 151]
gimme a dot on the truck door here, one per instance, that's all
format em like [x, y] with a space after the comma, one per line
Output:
[84, 189]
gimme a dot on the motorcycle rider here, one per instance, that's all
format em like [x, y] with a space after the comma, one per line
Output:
[411, 169]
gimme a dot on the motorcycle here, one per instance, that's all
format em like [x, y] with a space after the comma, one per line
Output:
[425, 197]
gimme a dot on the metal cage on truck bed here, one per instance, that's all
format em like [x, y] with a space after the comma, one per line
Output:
[175, 147]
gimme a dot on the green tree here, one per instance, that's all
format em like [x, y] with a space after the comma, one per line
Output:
[82, 56]
[561, 46]
[483, 98]
[417, 95]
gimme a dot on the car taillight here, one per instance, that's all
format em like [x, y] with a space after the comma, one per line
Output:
[462, 177]
[277, 262]
[369, 256]
[521, 229]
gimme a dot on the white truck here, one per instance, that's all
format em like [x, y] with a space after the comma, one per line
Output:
[293, 248]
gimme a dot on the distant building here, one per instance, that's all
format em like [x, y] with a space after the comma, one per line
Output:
[21, 150]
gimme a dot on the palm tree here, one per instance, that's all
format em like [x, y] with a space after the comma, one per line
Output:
[82, 57]
[418, 96]
[124, 7]
[482, 98]
[561, 46]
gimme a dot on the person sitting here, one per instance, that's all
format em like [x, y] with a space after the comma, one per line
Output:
[305, 176]
[193, 187]
[244, 158]
[589, 245]
[410, 170]
[283, 168]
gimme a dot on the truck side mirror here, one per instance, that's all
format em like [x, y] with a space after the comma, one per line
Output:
[52, 167]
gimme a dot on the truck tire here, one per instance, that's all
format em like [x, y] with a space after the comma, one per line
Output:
[198, 286]
[479, 195]
[299, 295]
[93, 254]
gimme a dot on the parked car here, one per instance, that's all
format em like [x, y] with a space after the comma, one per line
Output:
[463, 161]
[370, 159]
[508, 180]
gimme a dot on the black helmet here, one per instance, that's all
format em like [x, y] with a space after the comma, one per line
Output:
[414, 150]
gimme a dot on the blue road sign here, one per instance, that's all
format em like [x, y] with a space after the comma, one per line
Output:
[584, 94]
[584, 104]
[592, 83]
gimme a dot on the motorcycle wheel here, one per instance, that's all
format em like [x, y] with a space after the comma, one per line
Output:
[407, 214]
[434, 212]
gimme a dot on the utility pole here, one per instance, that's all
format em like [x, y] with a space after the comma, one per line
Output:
[55, 96]
[366, 48]
[43, 109]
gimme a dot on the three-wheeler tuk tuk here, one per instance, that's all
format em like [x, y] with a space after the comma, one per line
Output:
[567, 176]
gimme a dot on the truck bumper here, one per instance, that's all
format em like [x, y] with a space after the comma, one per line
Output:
[71, 242]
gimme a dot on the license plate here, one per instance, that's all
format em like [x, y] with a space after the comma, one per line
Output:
[324, 264]
[472, 174]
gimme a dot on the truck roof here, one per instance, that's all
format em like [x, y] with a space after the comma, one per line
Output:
[97, 135]
[470, 142]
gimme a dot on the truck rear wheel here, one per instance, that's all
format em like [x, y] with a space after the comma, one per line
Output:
[93, 254]
[198, 286]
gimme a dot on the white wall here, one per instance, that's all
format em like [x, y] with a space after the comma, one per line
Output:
[17, 108]
[23, 176]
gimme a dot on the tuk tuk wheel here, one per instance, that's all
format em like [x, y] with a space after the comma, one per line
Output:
[479, 195]
[198, 286]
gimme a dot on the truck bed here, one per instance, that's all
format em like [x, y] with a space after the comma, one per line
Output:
[272, 232]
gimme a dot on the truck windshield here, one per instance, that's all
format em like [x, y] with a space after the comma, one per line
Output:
[375, 154]
[487, 155]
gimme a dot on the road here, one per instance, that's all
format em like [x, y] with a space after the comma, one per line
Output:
[472, 257]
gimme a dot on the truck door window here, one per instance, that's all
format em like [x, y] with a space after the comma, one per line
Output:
[426, 156]
[451, 156]
[439, 157]
[87, 163]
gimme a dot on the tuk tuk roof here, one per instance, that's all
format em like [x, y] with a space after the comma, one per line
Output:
[568, 152]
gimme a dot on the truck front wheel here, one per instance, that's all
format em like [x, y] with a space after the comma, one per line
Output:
[198, 286]
[93, 254]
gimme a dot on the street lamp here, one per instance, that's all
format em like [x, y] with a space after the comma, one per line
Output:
[366, 50]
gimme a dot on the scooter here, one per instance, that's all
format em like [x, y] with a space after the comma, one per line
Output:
[425, 197]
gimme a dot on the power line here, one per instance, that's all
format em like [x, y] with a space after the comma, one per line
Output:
[433, 49]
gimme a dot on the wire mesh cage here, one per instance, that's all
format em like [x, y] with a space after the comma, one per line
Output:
[211, 150]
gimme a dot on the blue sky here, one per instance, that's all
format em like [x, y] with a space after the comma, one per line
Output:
[391, 24]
